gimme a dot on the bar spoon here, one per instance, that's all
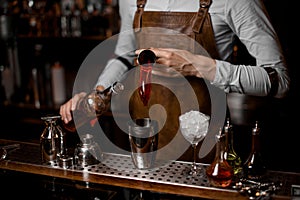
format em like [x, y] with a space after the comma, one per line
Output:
[4, 149]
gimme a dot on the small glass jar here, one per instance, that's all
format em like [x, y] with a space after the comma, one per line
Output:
[88, 152]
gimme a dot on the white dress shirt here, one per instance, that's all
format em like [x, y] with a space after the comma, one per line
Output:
[246, 19]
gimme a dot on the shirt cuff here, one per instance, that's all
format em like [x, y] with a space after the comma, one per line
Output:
[222, 76]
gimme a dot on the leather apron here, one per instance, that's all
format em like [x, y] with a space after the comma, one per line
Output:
[173, 93]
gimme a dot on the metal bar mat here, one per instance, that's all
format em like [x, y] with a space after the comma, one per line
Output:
[121, 166]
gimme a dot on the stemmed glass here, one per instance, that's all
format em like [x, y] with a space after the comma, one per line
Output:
[194, 127]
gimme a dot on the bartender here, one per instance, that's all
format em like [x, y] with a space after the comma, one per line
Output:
[216, 25]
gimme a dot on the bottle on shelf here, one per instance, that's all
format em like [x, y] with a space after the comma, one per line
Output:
[92, 106]
[37, 76]
[219, 172]
[58, 83]
[66, 10]
[76, 22]
[254, 167]
[230, 154]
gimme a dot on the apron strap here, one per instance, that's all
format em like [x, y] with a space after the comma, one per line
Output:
[198, 23]
[138, 14]
[201, 27]
[203, 30]
[202, 13]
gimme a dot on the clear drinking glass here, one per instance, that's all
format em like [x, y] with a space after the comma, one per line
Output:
[194, 127]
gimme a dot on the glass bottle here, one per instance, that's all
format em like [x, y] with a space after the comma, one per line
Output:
[76, 22]
[219, 172]
[92, 106]
[230, 154]
[65, 20]
[254, 167]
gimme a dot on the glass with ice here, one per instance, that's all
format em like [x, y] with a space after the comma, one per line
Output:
[194, 127]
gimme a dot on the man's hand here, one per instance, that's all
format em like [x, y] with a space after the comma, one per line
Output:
[185, 62]
[71, 105]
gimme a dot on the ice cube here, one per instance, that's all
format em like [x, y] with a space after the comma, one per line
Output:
[194, 124]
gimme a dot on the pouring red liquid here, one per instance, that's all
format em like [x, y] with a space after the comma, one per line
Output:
[146, 61]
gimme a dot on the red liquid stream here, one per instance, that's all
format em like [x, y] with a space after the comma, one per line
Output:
[145, 82]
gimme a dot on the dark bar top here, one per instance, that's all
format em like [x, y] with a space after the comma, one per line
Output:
[118, 170]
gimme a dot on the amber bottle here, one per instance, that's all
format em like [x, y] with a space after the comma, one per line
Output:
[219, 172]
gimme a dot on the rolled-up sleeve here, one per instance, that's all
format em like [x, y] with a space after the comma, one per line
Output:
[249, 21]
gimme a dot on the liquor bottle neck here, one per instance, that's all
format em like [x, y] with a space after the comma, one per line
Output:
[220, 148]
[229, 140]
[255, 147]
[229, 137]
[114, 88]
[106, 92]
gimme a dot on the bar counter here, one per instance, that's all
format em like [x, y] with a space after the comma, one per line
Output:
[118, 171]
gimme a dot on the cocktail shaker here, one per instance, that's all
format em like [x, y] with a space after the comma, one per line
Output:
[51, 140]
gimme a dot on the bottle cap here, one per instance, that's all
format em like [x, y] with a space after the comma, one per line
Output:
[117, 87]
[219, 134]
[256, 129]
[227, 126]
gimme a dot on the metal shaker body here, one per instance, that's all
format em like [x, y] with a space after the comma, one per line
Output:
[143, 140]
[50, 141]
